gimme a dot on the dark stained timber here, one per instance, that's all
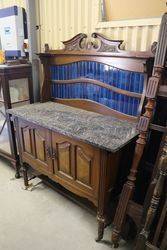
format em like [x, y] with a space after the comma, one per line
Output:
[12, 93]
[155, 201]
[143, 126]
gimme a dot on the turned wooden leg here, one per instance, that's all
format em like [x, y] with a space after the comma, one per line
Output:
[127, 192]
[17, 174]
[115, 238]
[103, 197]
[154, 204]
[25, 176]
[17, 169]
[101, 226]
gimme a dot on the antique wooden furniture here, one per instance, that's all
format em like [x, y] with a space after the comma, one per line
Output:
[15, 90]
[149, 237]
[80, 146]
[143, 127]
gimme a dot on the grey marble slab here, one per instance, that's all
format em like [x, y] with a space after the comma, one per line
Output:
[99, 130]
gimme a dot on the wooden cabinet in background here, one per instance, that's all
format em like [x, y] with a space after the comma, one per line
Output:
[15, 90]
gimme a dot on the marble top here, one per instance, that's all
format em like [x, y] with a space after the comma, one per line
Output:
[105, 132]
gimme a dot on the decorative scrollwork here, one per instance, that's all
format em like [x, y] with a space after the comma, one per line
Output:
[75, 43]
[97, 42]
[107, 45]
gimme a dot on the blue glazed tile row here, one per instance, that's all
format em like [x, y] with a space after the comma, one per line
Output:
[132, 81]
[127, 80]
[119, 102]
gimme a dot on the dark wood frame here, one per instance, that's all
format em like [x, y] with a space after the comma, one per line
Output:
[143, 127]
[158, 182]
[8, 73]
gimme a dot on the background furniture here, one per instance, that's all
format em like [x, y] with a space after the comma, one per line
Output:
[83, 150]
[154, 231]
[143, 127]
[15, 90]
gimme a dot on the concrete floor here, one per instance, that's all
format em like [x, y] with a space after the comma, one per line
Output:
[43, 219]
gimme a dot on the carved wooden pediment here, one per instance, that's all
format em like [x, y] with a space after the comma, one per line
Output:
[107, 45]
[75, 43]
[97, 42]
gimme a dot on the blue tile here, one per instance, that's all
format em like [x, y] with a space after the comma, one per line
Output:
[131, 81]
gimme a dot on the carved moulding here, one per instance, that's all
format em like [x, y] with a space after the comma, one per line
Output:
[105, 44]
[75, 43]
[97, 42]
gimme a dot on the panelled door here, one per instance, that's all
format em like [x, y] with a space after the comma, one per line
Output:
[72, 163]
[75, 162]
[36, 146]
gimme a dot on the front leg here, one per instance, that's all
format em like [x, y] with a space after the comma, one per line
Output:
[16, 166]
[103, 197]
[115, 237]
[101, 226]
[25, 176]
[17, 174]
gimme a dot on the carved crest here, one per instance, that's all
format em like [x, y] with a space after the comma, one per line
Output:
[97, 42]
[107, 45]
[75, 43]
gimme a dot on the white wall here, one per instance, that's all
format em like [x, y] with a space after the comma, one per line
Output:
[62, 19]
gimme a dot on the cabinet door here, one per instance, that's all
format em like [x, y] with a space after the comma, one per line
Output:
[36, 146]
[76, 163]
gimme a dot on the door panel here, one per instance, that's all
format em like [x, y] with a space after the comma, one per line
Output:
[27, 140]
[73, 164]
[40, 145]
[77, 163]
[64, 159]
[36, 146]
[83, 167]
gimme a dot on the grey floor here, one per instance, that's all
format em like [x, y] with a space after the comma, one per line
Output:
[43, 219]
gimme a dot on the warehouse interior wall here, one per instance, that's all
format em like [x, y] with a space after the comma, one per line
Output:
[60, 20]
[8, 3]
[134, 9]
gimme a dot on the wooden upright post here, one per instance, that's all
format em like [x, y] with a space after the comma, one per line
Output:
[160, 179]
[143, 127]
